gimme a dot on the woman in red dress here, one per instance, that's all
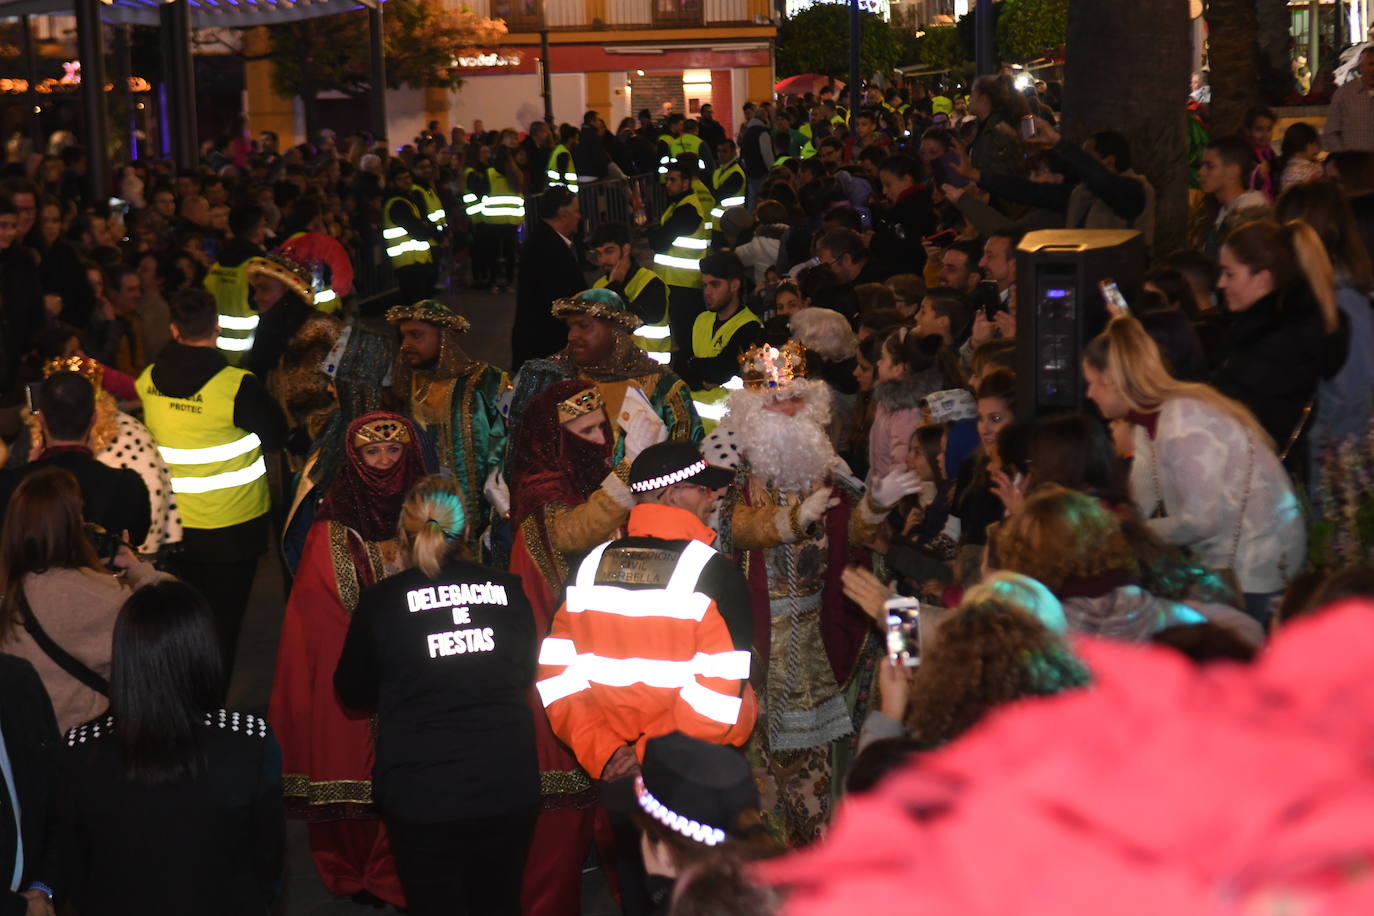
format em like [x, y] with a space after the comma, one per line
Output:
[327, 753]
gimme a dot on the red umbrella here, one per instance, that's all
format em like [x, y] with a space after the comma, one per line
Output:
[803, 83]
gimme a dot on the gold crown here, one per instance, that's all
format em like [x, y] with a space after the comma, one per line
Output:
[83, 366]
[294, 275]
[381, 431]
[766, 366]
[579, 405]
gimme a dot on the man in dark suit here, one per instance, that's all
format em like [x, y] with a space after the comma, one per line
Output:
[549, 269]
[116, 499]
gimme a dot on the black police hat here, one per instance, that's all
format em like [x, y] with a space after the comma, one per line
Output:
[696, 789]
[669, 463]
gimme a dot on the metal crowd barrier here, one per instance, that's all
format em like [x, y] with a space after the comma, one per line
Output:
[608, 201]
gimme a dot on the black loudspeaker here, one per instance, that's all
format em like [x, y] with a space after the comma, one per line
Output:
[1060, 308]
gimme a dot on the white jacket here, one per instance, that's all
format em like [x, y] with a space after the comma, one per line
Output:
[1201, 456]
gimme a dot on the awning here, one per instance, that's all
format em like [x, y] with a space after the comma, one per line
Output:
[205, 14]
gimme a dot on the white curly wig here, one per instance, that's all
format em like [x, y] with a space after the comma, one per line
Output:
[792, 452]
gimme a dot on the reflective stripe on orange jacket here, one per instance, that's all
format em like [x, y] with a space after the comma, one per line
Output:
[625, 664]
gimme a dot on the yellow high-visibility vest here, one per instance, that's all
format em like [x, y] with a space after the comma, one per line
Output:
[719, 179]
[562, 174]
[434, 207]
[217, 469]
[237, 320]
[403, 249]
[655, 339]
[472, 204]
[504, 205]
[680, 265]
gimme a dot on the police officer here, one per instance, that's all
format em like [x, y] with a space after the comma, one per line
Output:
[653, 636]
[709, 362]
[409, 237]
[212, 423]
[227, 281]
[643, 290]
[562, 169]
[445, 651]
[679, 243]
[654, 631]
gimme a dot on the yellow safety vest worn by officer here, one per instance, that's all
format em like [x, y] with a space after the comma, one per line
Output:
[237, 320]
[665, 159]
[707, 341]
[562, 173]
[217, 469]
[680, 265]
[655, 339]
[708, 200]
[504, 206]
[730, 180]
[473, 205]
[691, 146]
[434, 207]
[403, 248]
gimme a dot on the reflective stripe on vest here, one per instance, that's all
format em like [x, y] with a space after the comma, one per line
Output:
[237, 320]
[400, 246]
[561, 175]
[472, 204]
[666, 159]
[680, 265]
[718, 180]
[678, 600]
[217, 469]
[434, 207]
[654, 339]
[504, 206]
[710, 402]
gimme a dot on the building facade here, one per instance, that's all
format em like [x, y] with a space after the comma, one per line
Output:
[615, 57]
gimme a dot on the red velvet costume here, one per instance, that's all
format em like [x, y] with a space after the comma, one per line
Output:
[557, 498]
[327, 753]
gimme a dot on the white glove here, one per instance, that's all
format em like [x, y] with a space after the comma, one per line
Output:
[813, 508]
[889, 490]
[497, 493]
[645, 430]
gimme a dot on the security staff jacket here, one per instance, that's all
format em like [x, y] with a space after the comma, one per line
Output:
[447, 662]
[182, 372]
[653, 636]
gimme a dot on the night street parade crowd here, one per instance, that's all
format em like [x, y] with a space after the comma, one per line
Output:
[747, 581]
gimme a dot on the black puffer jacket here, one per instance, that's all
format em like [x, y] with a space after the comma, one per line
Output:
[1275, 353]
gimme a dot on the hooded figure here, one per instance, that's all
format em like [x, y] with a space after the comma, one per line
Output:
[327, 755]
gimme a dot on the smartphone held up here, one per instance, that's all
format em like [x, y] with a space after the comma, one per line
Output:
[903, 617]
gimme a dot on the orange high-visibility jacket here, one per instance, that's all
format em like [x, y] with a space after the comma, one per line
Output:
[636, 651]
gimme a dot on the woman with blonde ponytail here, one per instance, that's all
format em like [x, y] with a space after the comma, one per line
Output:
[445, 653]
[1286, 333]
[1205, 473]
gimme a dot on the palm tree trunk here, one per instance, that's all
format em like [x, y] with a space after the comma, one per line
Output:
[1233, 55]
[1274, 22]
[1127, 70]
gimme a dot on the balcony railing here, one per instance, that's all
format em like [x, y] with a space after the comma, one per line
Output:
[524, 15]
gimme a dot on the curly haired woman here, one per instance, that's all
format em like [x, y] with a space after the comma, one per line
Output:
[1075, 546]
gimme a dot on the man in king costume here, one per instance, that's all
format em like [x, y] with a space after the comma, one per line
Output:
[453, 398]
[795, 516]
[602, 351]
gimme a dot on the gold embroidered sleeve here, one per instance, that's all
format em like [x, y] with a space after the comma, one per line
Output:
[864, 521]
[756, 527]
[578, 528]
